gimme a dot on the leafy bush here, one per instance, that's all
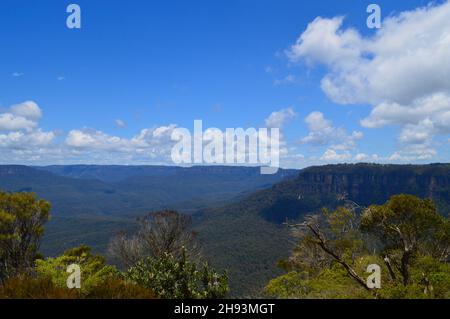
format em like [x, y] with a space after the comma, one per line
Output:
[94, 271]
[22, 218]
[172, 278]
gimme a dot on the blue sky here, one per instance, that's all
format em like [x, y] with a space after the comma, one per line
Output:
[138, 65]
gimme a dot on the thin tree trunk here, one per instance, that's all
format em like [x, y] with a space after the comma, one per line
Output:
[405, 266]
[387, 261]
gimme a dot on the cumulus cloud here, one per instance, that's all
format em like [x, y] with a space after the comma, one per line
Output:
[28, 110]
[331, 155]
[25, 140]
[20, 134]
[93, 139]
[317, 122]
[413, 152]
[153, 142]
[405, 60]
[362, 157]
[24, 116]
[323, 42]
[279, 118]
[324, 133]
[11, 122]
[436, 107]
[402, 70]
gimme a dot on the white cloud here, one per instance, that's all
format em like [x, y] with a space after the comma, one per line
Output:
[331, 155]
[24, 116]
[22, 141]
[91, 139]
[362, 157]
[25, 140]
[402, 70]
[436, 107]
[322, 43]
[29, 110]
[154, 142]
[412, 153]
[322, 133]
[405, 60]
[19, 131]
[17, 74]
[26, 143]
[417, 134]
[279, 118]
[10, 122]
[162, 131]
[316, 122]
[120, 123]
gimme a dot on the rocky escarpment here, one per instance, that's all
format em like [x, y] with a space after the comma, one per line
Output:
[370, 183]
[365, 184]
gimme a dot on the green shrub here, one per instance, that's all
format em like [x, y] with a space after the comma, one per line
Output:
[94, 271]
[172, 278]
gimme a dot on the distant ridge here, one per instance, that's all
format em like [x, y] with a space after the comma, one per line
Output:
[92, 202]
[115, 173]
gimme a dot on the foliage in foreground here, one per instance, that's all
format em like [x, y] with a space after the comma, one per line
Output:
[178, 278]
[406, 237]
[22, 218]
[159, 233]
[95, 272]
[24, 287]
[159, 264]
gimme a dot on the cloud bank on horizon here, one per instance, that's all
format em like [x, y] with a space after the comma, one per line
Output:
[401, 71]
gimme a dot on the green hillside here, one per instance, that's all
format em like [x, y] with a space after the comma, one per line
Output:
[248, 237]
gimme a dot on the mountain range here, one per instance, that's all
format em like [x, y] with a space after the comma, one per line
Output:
[90, 203]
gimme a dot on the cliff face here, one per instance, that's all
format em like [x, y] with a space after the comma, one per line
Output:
[369, 184]
[365, 184]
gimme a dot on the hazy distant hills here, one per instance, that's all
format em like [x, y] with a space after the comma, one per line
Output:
[125, 190]
[238, 213]
[110, 173]
[90, 203]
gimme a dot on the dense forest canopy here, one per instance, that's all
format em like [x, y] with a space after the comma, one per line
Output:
[406, 239]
